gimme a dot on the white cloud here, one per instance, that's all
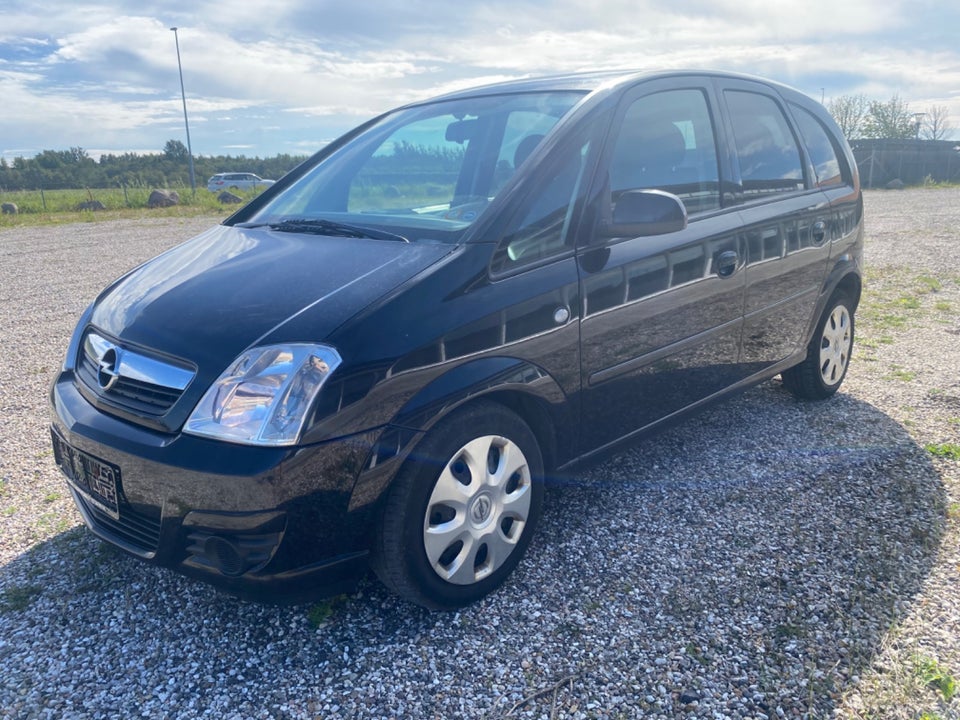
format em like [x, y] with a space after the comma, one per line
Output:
[76, 73]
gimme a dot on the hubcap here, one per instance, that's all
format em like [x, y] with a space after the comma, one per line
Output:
[835, 346]
[477, 510]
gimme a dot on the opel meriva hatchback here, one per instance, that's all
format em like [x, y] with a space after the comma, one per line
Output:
[381, 359]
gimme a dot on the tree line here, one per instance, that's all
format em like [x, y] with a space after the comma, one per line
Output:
[74, 168]
[862, 118]
[857, 116]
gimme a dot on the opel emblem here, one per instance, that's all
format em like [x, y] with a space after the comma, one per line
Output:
[481, 509]
[108, 371]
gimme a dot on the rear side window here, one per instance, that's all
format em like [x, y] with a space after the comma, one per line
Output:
[822, 151]
[767, 151]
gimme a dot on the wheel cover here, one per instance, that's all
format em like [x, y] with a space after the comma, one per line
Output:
[478, 510]
[835, 346]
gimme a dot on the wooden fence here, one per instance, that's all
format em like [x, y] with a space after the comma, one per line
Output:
[912, 162]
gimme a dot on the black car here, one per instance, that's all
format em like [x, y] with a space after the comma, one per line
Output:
[381, 359]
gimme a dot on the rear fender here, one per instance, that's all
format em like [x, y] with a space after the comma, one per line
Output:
[846, 277]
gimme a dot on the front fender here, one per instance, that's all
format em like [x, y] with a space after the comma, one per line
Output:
[472, 380]
[525, 388]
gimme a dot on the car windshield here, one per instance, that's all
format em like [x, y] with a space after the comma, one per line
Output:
[426, 172]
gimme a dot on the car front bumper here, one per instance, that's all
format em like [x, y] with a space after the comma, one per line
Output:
[263, 523]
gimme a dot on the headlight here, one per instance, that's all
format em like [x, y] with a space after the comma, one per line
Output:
[263, 398]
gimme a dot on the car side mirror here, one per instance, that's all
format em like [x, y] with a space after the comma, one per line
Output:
[639, 213]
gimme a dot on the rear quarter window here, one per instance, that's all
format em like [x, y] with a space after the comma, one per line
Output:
[821, 147]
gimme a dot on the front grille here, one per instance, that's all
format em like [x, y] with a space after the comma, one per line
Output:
[140, 529]
[141, 397]
[129, 379]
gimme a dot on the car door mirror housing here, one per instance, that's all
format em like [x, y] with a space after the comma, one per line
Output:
[645, 212]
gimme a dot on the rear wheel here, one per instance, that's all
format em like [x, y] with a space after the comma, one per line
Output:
[828, 356]
[462, 510]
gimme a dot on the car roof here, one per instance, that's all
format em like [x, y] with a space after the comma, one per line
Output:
[590, 81]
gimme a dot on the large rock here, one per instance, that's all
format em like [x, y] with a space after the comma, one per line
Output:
[228, 198]
[163, 198]
[91, 205]
[10, 208]
[895, 184]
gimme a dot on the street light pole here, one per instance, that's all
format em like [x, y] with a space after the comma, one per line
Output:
[183, 95]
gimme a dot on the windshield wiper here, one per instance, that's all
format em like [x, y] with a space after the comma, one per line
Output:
[321, 226]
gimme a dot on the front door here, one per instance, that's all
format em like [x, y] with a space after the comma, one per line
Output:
[661, 316]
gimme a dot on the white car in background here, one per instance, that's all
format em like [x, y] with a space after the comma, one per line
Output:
[237, 181]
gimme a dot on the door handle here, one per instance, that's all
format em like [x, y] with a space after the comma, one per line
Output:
[727, 263]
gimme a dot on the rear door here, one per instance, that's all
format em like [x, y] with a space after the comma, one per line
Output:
[834, 175]
[787, 222]
[661, 315]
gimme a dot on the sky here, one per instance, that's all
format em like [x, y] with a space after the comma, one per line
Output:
[289, 76]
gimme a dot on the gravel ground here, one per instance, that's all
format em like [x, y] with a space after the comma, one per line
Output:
[767, 558]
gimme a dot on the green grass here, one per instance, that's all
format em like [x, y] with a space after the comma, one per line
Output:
[949, 451]
[19, 597]
[932, 674]
[320, 613]
[889, 321]
[928, 283]
[695, 652]
[60, 206]
[908, 302]
[899, 373]
[789, 631]
[897, 300]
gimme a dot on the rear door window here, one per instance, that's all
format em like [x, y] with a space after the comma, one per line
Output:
[823, 154]
[767, 150]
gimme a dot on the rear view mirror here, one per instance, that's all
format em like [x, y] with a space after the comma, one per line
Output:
[640, 213]
[461, 130]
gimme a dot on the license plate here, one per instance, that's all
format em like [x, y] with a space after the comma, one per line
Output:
[95, 479]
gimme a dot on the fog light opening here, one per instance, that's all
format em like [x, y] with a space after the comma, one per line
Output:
[224, 555]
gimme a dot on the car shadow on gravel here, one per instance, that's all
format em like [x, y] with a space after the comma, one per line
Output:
[750, 560]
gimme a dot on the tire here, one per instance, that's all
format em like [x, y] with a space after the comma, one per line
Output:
[461, 511]
[828, 355]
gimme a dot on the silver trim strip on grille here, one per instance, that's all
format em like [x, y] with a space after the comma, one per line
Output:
[114, 361]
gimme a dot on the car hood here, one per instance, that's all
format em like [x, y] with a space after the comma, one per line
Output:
[207, 300]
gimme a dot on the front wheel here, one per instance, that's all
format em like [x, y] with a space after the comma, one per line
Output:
[828, 356]
[462, 509]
